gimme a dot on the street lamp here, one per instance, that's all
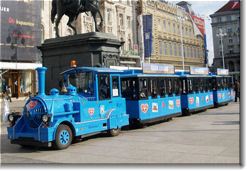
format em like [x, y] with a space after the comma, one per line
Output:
[221, 35]
[181, 20]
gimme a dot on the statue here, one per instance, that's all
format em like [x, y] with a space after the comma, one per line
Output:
[72, 8]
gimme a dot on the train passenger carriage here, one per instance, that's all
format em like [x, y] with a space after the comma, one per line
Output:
[197, 93]
[90, 102]
[222, 85]
[152, 94]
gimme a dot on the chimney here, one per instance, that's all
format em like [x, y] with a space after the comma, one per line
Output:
[41, 80]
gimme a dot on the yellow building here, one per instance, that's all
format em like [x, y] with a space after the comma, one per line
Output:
[172, 26]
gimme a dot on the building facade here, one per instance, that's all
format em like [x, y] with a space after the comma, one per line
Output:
[170, 35]
[226, 37]
[20, 35]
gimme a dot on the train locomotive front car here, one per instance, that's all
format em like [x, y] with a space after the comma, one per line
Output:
[90, 102]
[197, 93]
[152, 94]
[222, 87]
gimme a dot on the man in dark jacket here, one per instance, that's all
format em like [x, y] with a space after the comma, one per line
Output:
[237, 90]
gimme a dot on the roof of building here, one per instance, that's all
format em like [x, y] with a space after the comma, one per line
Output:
[232, 5]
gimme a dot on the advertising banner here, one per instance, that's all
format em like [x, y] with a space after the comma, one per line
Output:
[158, 68]
[147, 34]
[199, 71]
[221, 71]
[20, 31]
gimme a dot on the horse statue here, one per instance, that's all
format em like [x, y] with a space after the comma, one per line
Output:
[72, 8]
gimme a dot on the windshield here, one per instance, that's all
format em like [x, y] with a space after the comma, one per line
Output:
[83, 82]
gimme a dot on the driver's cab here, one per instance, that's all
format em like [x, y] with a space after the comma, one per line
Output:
[93, 83]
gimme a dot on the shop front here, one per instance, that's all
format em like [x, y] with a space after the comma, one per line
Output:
[21, 78]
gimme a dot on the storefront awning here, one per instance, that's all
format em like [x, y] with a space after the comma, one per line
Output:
[19, 66]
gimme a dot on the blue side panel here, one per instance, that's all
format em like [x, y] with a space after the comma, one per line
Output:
[222, 96]
[199, 100]
[147, 34]
[153, 108]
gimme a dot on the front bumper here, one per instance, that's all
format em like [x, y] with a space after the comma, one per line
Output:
[22, 132]
[30, 142]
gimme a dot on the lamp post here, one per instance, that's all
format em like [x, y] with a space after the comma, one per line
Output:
[221, 35]
[181, 19]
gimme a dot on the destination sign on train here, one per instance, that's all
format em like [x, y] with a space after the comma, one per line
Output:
[221, 71]
[158, 68]
[199, 70]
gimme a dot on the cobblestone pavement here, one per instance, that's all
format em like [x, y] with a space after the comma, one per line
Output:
[212, 136]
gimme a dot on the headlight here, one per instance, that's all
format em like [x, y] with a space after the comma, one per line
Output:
[45, 118]
[11, 117]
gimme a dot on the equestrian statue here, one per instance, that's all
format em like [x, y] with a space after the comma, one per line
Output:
[72, 8]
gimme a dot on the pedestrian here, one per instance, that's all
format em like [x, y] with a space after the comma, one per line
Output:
[8, 93]
[237, 90]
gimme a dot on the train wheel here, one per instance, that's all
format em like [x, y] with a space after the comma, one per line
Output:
[114, 132]
[63, 137]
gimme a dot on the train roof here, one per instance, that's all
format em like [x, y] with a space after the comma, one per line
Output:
[92, 69]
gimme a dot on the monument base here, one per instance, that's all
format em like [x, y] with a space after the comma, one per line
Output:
[89, 49]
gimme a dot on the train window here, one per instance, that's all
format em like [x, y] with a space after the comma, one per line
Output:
[153, 87]
[205, 85]
[162, 87]
[129, 88]
[201, 85]
[219, 83]
[170, 86]
[104, 86]
[177, 86]
[184, 87]
[143, 88]
[115, 86]
[214, 83]
[84, 82]
[189, 85]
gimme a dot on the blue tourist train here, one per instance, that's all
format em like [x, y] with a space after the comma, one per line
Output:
[222, 85]
[92, 100]
[197, 92]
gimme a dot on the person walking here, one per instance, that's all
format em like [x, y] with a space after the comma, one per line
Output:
[237, 90]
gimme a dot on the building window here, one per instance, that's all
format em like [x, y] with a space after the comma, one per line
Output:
[160, 47]
[229, 18]
[165, 48]
[169, 26]
[164, 24]
[128, 22]
[109, 16]
[219, 19]
[171, 53]
[229, 30]
[130, 44]
[42, 32]
[179, 50]
[174, 28]
[175, 49]
[220, 53]
[121, 21]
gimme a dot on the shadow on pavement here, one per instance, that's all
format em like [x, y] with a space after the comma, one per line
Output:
[226, 123]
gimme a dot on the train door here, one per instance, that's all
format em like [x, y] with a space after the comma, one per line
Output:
[104, 95]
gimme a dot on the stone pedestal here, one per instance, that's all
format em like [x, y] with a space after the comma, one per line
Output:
[89, 49]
